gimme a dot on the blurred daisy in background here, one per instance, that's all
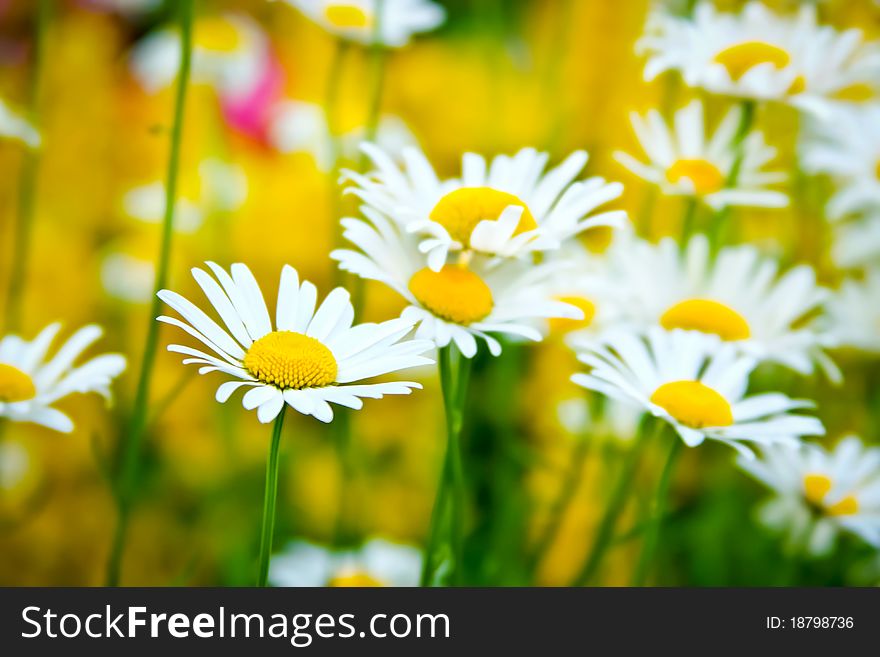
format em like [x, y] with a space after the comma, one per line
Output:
[758, 54]
[856, 243]
[459, 303]
[854, 312]
[377, 562]
[14, 126]
[313, 357]
[686, 161]
[847, 149]
[697, 384]
[360, 21]
[30, 381]
[740, 296]
[506, 207]
[820, 493]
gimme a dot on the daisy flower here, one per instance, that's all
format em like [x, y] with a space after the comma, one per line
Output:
[848, 150]
[758, 54]
[459, 303]
[857, 243]
[13, 126]
[358, 20]
[684, 160]
[739, 296]
[376, 563]
[31, 382]
[820, 493]
[312, 358]
[505, 208]
[696, 383]
[854, 313]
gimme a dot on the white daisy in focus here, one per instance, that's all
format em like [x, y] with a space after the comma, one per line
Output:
[376, 563]
[684, 160]
[820, 493]
[739, 296]
[847, 148]
[30, 381]
[505, 208]
[697, 384]
[13, 126]
[857, 243]
[358, 20]
[313, 357]
[854, 312]
[459, 303]
[301, 127]
[230, 52]
[758, 54]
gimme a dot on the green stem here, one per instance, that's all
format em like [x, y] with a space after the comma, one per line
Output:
[133, 437]
[688, 220]
[447, 530]
[720, 222]
[269, 500]
[655, 515]
[27, 196]
[616, 501]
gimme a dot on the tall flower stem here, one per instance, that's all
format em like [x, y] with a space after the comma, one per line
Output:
[130, 449]
[447, 519]
[655, 515]
[689, 219]
[378, 59]
[334, 133]
[269, 500]
[616, 502]
[27, 190]
[720, 222]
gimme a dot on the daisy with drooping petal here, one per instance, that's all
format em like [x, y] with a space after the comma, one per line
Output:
[847, 149]
[854, 312]
[31, 381]
[820, 493]
[740, 296]
[377, 562]
[358, 20]
[458, 304]
[505, 208]
[696, 383]
[313, 357]
[13, 126]
[685, 161]
[758, 54]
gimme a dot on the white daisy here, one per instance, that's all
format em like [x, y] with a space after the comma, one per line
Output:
[312, 358]
[505, 208]
[761, 55]
[230, 52]
[740, 296]
[857, 243]
[696, 383]
[854, 312]
[460, 302]
[30, 382]
[847, 148]
[820, 493]
[357, 20]
[376, 563]
[13, 126]
[686, 161]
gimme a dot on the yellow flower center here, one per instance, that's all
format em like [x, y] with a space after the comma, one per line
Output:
[291, 360]
[705, 176]
[454, 293]
[218, 35]
[877, 170]
[462, 209]
[707, 316]
[742, 57]
[693, 404]
[15, 385]
[565, 325]
[347, 16]
[817, 486]
[354, 579]
[855, 93]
